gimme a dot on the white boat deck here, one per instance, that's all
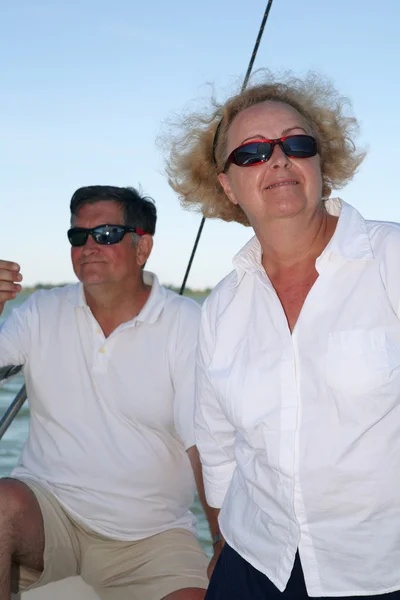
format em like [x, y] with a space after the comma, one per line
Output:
[74, 587]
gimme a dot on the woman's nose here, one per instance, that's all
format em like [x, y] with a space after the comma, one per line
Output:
[278, 157]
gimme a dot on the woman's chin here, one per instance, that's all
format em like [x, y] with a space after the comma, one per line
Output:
[286, 206]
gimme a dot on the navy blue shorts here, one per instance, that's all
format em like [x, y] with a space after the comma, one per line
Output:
[235, 579]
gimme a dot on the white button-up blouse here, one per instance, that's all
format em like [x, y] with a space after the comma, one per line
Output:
[299, 433]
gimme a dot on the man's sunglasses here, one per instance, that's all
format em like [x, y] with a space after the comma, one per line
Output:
[102, 234]
[259, 151]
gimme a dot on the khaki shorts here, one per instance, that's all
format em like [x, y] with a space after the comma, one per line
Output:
[147, 569]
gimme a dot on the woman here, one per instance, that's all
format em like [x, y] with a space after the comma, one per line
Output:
[298, 383]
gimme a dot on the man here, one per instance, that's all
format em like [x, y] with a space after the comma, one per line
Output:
[105, 482]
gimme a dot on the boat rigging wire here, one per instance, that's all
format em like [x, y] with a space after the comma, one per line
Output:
[244, 85]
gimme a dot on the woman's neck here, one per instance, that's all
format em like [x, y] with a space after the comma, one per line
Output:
[297, 241]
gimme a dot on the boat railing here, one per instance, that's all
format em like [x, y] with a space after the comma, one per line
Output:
[16, 404]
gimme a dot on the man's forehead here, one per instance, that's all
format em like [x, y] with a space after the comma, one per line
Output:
[103, 210]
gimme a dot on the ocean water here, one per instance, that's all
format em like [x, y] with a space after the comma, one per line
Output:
[14, 439]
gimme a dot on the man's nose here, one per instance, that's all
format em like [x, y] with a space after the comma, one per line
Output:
[90, 244]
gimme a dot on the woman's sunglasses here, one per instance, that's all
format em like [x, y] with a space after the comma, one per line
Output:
[102, 234]
[259, 151]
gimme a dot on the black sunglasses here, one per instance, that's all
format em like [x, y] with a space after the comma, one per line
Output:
[102, 234]
[259, 151]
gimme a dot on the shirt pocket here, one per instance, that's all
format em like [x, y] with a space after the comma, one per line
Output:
[361, 362]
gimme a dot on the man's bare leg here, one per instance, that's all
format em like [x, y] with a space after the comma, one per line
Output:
[21, 531]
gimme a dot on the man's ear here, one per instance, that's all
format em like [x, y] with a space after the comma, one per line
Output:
[226, 185]
[143, 249]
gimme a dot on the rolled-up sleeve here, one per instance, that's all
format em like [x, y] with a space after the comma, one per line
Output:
[215, 435]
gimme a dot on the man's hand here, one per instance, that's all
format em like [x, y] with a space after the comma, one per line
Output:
[9, 275]
[217, 551]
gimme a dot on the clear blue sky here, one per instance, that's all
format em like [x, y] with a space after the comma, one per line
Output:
[86, 85]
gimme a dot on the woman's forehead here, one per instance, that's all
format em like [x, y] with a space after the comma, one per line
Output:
[267, 119]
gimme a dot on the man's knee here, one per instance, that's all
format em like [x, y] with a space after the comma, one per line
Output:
[21, 522]
[17, 502]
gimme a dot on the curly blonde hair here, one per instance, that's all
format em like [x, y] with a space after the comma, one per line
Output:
[196, 158]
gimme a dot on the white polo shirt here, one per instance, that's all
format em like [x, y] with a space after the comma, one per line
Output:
[111, 418]
[299, 434]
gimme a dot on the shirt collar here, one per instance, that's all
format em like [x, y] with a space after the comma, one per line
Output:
[248, 259]
[350, 240]
[155, 302]
[76, 295]
[150, 311]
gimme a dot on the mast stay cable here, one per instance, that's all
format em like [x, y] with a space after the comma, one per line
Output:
[244, 85]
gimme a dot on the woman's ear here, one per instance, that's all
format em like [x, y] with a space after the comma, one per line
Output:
[226, 185]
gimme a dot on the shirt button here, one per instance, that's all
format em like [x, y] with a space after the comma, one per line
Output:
[102, 350]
